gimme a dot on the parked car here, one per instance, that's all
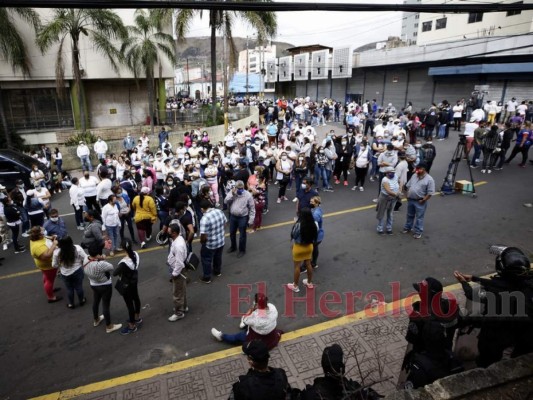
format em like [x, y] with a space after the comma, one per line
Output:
[15, 165]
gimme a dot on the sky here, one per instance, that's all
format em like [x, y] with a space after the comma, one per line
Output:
[334, 29]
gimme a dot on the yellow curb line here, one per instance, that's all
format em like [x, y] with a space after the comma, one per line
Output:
[277, 225]
[219, 355]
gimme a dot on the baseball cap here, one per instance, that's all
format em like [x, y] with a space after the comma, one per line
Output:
[256, 350]
[434, 285]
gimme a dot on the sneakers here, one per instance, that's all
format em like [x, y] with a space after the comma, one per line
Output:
[361, 189]
[98, 321]
[372, 179]
[138, 322]
[217, 334]
[80, 228]
[417, 235]
[127, 330]
[489, 171]
[279, 201]
[20, 250]
[528, 205]
[284, 198]
[389, 232]
[149, 238]
[308, 284]
[474, 166]
[176, 317]
[345, 183]
[293, 287]
[205, 280]
[25, 234]
[337, 182]
[55, 299]
[354, 188]
[483, 171]
[114, 327]
[265, 211]
[143, 245]
[406, 230]
[295, 200]
[380, 232]
[374, 200]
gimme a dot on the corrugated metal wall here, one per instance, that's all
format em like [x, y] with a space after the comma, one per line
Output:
[374, 85]
[338, 89]
[356, 84]
[522, 90]
[395, 88]
[420, 90]
[323, 88]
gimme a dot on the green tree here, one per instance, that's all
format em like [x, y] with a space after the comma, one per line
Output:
[143, 49]
[13, 48]
[101, 27]
[263, 22]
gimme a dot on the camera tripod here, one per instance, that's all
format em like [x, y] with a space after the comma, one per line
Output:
[448, 186]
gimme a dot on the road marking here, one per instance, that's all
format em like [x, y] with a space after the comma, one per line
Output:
[219, 355]
[277, 225]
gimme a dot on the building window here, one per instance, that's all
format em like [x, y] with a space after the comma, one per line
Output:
[415, 34]
[516, 12]
[37, 109]
[475, 17]
[416, 25]
[427, 26]
[441, 23]
[417, 16]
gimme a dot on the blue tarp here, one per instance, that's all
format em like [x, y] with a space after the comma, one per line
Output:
[238, 83]
[510, 68]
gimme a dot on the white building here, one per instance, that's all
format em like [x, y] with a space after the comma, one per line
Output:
[257, 58]
[410, 24]
[437, 28]
[32, 106]
[197, 81]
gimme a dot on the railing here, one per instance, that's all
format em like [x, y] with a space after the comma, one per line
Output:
[199, 117]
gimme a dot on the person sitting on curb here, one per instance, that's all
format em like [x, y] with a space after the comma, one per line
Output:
[261, 381]
[261, 320]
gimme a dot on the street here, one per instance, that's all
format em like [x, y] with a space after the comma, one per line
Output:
[48, 347]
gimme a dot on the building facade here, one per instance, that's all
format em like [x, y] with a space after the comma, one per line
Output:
[410, 22]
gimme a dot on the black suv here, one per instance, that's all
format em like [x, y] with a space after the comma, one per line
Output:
[15, 165]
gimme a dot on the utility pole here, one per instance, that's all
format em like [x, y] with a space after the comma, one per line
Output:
[247, 66]
[188, 79]
[225, 71]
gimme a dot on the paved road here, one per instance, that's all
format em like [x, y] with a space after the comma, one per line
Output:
[46, 347]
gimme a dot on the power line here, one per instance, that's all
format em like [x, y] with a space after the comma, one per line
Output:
[269, 6]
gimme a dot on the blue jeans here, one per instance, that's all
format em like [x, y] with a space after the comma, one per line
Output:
[389, 216]
[477, 153]
[86, 163]
[442, 131]
[112, 232]
[211, 260]
[329, 172]
[73, 283]
[237, 338]
[428, 132]
[162, 215]
[59, 165]
[239, 223]
[415, 210]
[320, 172]
[374, 169]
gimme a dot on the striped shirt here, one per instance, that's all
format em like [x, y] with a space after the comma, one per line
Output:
[98, 272]
[394, 185]
[212, 225]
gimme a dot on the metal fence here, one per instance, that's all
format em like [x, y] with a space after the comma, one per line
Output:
[199, 117]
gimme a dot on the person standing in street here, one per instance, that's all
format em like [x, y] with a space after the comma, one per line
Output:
[162, 136]
[241, 214]
[84, 154]
[212, 239]
[420, 188]
[77, 201]
[42, 254]
[388, 196]
[128, 143]
[100, 148]
[176, 264]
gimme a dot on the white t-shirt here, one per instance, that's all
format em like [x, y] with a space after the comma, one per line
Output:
[88, 186]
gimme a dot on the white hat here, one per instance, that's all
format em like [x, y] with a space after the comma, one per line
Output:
[145, 190]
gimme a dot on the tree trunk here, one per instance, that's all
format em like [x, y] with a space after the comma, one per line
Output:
[150, 86]
[77, 79]
[4, 122]
[213, 66]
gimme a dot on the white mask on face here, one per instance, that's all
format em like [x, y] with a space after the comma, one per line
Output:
[54, 219]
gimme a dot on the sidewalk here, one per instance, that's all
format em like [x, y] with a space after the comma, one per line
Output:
[377, 344]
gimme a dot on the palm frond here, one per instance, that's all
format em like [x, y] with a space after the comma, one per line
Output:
[52, 31]
[29, 15]
[183, 22]
[104, 46]
[12, 45]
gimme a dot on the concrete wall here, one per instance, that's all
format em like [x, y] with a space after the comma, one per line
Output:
[115, 136]
[508, 379]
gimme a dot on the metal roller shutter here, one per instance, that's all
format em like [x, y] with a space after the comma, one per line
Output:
[522, 90]
[420, 88]
[356, 82]
[452, 90]
[495, 90]
[338, 91]
[323, 88]
[300, 89]
[374, 85]
[395, 87]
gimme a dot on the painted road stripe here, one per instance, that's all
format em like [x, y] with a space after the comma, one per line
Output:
[219, 355]
[278, 225]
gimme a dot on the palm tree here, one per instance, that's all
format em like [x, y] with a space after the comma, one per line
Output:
[101, 27]
[264, 22]
[13, 48]
[144, 48]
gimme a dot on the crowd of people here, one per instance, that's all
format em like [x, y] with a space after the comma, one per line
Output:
[177, 191]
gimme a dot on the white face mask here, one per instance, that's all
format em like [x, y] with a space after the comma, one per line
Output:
[304, 186]
[284, 158]
[344, 143]
[54, 219]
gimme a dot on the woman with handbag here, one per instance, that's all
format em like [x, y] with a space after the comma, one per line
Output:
[69, 258]
[304, 233]
[283, 168]
[99, 273]
[128, 273]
